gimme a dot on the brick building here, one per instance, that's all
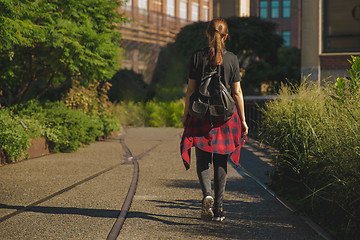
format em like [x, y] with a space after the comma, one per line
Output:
[154, 23]
[285, 13]
[330, 34]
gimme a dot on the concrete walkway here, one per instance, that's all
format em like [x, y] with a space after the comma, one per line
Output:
[79, 195]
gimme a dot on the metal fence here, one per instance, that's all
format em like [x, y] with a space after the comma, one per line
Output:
[254, 114]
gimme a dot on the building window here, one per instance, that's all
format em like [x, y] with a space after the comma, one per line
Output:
[143, 4]
[170, 7]
[263, 9]
[341, 26]
[274, 9]
[183, 10]
[286, 38]
[286, 11]
[206, 13]
[194, 12]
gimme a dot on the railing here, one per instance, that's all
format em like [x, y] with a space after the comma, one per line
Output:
[155, 18]
[253, 113]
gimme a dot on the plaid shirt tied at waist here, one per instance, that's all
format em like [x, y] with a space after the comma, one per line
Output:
[221, 138]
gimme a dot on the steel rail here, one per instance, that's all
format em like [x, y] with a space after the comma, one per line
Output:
[242, 171]
[26, 208]
[129, 158]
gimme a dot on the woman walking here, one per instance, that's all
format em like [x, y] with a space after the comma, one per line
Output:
[214, 141]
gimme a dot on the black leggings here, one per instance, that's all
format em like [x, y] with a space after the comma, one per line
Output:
[203, 167]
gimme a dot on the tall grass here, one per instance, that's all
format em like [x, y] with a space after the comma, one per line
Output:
[152, 113]
[318, 163]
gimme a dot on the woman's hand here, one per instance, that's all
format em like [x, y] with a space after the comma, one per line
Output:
[244, 129]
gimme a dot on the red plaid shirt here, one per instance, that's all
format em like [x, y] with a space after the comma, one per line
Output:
[222, 138]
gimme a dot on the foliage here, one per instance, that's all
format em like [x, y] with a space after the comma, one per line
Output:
[110, 124]
[71, 127]
[92, 100]
[130, 113]
[45, 45]
[287, 70]
[169, 76]
[253, 40]
[152, 113]
[318, 164]
[82, 98]
[127, 85]
[66, 129]
[348, 86]
[173, 113]
[13, 135]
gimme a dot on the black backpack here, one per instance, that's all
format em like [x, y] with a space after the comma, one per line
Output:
[212, 99]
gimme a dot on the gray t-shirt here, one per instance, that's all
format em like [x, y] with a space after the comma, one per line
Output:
[230, 70]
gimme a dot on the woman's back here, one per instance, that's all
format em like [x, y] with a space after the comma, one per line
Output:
[230, 67]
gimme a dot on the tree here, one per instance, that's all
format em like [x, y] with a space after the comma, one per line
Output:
[46, 44]
[253, 40]
[127, 85]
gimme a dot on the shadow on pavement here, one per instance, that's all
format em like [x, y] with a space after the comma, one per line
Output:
[250, 214]
[159, 218]
[102, 213]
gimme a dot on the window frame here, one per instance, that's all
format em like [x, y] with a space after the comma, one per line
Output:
[263, 9]
[170, 10]
[275, 10]
[196, 5]
[286, 34]
[205, 13]
[183, 11]
[286, 9]
[140, 6]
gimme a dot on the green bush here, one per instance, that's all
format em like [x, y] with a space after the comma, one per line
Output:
[173, 113]
[130, 113]
[152, 113]
[72, 127]
[32, 115]
[13, 136]
[318, 163]
[127, 85]
[110, 124]
[66, 129]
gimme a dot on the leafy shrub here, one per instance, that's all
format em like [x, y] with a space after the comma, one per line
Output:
[94, 102]
[110, 124]
[71, 127]
[152, 113]
[173, 113]
[32, 115]
[66, 129]
[318, 164]
[348, 86]
[13, 136]
[130, 113]
[127, 85]
[82, 98]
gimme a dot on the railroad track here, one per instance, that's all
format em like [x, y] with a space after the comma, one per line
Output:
[128, 159]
